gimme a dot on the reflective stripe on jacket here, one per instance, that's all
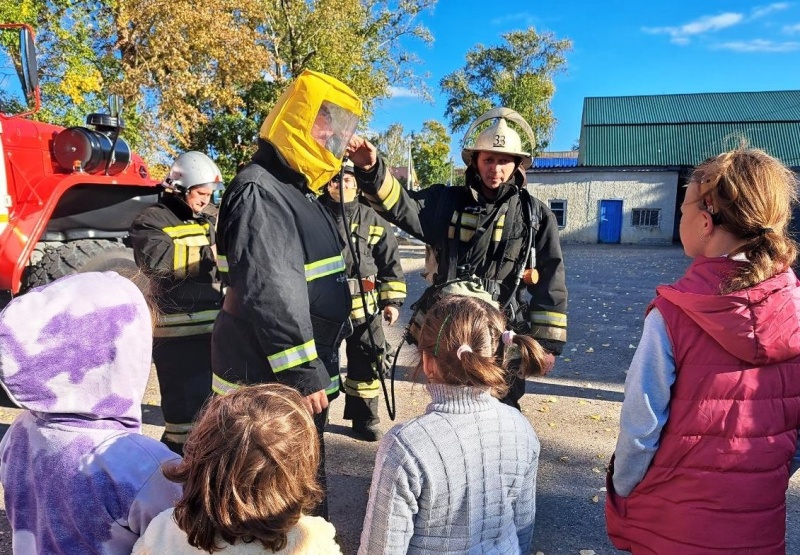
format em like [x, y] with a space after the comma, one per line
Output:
[174, 248]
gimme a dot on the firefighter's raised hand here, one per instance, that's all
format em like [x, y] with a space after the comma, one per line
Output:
[362, 152]
[316, 402]
[390, 314]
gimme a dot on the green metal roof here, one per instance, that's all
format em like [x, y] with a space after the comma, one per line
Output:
[685, 129]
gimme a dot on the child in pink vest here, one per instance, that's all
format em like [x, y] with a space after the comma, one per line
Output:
[712, 398]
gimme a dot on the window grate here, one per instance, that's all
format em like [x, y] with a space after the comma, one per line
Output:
[645, 217]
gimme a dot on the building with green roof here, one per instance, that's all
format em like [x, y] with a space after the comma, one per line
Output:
[685, 129]
[636, 153]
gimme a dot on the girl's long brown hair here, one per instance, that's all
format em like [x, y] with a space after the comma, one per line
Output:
[752, 195]
[457, 320]
[249, 469]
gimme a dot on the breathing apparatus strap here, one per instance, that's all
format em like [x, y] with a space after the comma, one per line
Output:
[528, 254]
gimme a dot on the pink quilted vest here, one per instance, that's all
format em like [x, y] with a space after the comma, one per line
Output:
[718, 481]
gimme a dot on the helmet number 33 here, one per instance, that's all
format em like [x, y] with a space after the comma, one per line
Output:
[499, 140]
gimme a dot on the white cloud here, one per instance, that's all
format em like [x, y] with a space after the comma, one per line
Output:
[761, 11]
[789, 29]
[402, 92]
[711, 23]
[515, 21]
[708, 23]
[758, 45]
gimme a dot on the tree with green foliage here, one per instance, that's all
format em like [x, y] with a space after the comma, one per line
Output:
[518, 74]
[203, 75]
[430, 150]
[392, 144]
[361, 44]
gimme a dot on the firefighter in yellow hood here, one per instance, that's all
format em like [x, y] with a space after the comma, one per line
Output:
[280, 254]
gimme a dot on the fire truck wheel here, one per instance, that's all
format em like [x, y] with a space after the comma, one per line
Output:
[85, 255]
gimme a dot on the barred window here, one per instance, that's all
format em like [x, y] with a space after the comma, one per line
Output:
[645, 217]
[559, 210]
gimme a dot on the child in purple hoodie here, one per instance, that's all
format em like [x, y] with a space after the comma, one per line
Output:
[78, 475]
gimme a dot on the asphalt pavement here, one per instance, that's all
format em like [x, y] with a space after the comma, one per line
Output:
[575, 410]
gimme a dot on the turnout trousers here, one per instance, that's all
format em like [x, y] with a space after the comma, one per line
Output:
[362, 386]
[183, 366]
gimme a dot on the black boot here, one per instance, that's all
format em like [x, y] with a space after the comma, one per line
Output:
[174, 446]
[366, 430]
[364, 414]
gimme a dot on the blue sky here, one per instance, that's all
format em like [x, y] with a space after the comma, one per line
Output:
[620, 48]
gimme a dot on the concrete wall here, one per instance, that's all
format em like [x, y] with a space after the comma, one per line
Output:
[583, 190]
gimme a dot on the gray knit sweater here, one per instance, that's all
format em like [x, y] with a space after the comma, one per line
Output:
[459, 479]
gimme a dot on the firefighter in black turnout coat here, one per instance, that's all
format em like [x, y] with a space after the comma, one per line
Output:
[384, 288]
[287, 303]
[480, 231]
[173, 244]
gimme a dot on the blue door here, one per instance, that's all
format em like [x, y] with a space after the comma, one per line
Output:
[610, 221]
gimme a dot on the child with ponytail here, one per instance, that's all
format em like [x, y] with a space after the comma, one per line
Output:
[462, 477]
[709, 423]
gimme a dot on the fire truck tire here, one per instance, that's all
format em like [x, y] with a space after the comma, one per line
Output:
[85, 255]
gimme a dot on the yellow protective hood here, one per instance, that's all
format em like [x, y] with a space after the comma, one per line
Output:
[319, 104]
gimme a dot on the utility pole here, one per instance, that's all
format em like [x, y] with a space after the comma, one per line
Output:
[410, 168]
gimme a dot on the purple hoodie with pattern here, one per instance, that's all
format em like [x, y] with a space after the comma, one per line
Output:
[78, 475]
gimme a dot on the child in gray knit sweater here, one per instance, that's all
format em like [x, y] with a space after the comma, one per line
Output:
[462, 477]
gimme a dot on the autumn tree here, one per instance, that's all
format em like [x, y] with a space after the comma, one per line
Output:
[517, 74]
[203, 74]
[430, 150]
[358, 43]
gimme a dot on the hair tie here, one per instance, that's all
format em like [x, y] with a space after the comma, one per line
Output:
[463, 349]
[508, 337]
[764, 230]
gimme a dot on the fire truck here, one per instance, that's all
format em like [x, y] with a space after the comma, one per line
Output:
[67, 195]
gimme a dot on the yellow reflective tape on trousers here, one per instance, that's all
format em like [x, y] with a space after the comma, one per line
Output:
[324, 267]
[181, 325]
[293, 357]
[222, 387]
[178, 428]
[548, 318]
[222, 263]
[371, 388]
[333, 387]
[183, 331]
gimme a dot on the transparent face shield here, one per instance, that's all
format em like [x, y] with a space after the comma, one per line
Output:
[333, 127]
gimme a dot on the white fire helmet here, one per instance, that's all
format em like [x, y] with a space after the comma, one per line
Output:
[193, 169]
[499, 137]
